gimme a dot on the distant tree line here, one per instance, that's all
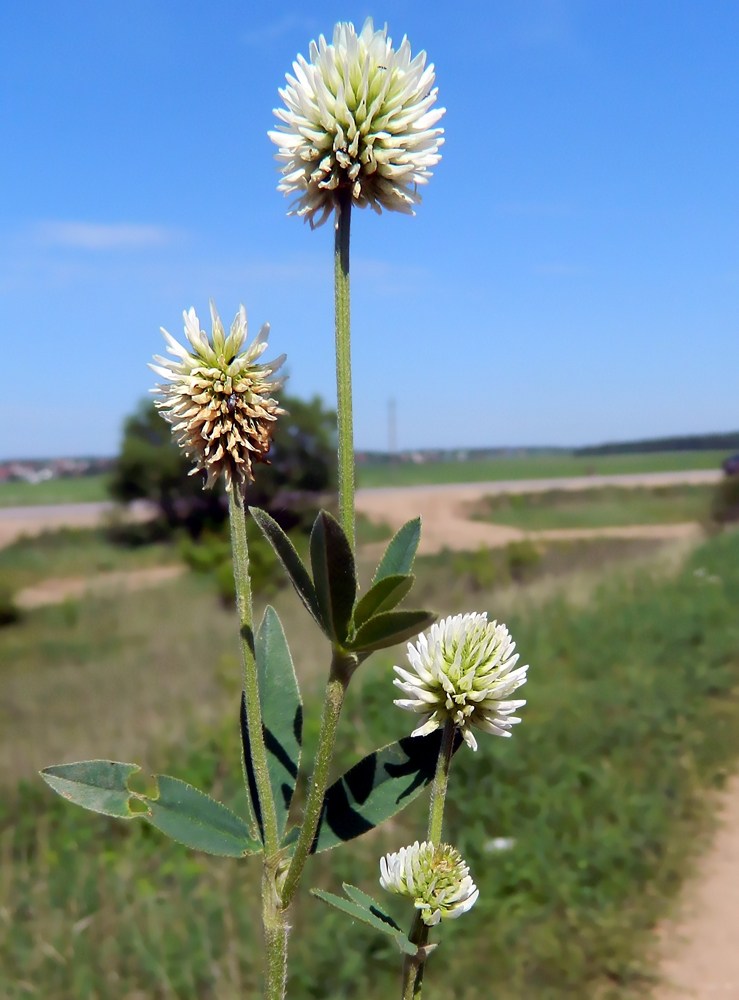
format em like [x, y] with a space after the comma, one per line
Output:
[694, 442]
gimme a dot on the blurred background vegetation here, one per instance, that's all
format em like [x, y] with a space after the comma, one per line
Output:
[579, 831]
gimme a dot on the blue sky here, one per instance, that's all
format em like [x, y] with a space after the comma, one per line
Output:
[572, 275]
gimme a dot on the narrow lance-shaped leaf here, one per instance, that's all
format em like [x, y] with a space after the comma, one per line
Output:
[362, 907]
[198, 821]
[382, 596]
[282, 712]
[401, 551]
[378, 787]
[334, 576]
[179, 810]
[291, 562]
[389, 628]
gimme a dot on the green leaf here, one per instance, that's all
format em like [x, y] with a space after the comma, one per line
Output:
[378, 787]
[332, 562]
[196, 820]
[362, 899]
[282, 712]
[401, 551]
[179, 810]
[98, 785]
[291, 561]
[371, 914]
[382, 596]
[389, 628]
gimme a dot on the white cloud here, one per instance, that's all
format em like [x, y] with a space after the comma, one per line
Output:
[101, 236]
[544, 24]
[271, 32]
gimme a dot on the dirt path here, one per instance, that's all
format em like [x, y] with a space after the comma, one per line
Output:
[701, 946]
[18, 521]
[446, 524]
[441, 506]
[56, 590]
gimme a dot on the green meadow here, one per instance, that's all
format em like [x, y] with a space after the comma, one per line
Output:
[600, 801]
[75, 489]
[533, 466]
[85, 489]
[602, 507]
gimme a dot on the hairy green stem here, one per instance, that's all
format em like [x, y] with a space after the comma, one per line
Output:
[419, 933]
[344, 364]
[335, 691]
[412, 967]
[276, 930]
[273, 919]
[240, 548]
[441, 781]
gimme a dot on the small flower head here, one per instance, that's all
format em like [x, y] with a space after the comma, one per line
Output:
[218, 398]
[359, 118]
[464, 671]
[435, 878]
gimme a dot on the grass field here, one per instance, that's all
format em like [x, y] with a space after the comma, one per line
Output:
[74, 552]
[598, 508]
[633, 714]
[84, 489]
[77, 489]
[533, 467]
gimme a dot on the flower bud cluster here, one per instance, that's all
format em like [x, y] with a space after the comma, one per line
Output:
[435, 878]
[358, 118]
[464, 670]
[218, 397]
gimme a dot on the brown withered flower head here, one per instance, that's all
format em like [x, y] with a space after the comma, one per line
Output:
[218, 398]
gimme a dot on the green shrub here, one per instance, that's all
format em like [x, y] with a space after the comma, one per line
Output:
[211, 554]
[726, 500]
[302, 466]
[522, 558]
[9, 610]
[479, 569]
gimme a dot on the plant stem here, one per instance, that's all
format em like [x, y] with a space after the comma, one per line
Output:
[419, 933]
[240, 548]
[344, 363]
[335, 691]
[276, 930]
[441, 780]
[412, 968]
[274, 921]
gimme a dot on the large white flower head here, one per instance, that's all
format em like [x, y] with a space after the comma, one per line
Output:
[465, 670]
[358, 118]
[218, 397]
[435, 878]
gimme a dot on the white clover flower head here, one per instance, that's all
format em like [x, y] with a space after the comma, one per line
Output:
[359, 119]
[217, 397]
[435, 878]
[465, 670]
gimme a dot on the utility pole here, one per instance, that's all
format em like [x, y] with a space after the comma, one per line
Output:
[392, 428]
